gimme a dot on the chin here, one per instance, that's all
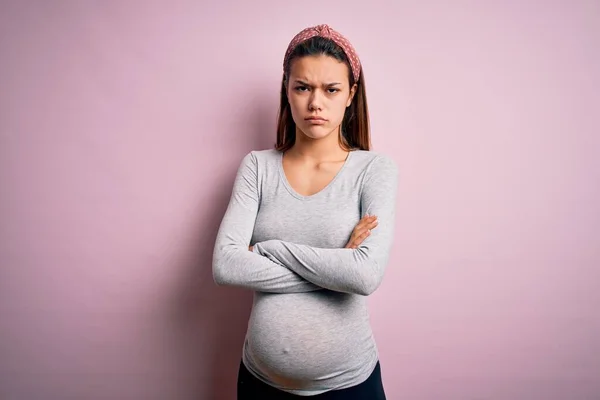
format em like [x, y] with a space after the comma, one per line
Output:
[316, 132]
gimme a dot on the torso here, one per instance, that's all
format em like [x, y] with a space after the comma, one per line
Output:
[320, 340]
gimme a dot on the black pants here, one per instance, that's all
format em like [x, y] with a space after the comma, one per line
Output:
[251, 388]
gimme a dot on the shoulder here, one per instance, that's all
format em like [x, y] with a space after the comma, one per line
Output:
[258, 157]
[260, 163]
[266, 154]
[380, 175]
[375, 162]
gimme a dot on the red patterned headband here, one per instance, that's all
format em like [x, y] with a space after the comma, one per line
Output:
[326, 32]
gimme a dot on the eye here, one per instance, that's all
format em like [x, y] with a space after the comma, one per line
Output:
[299, 88]
[333, 90]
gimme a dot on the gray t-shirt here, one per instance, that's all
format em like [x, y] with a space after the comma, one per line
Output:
[309, 330]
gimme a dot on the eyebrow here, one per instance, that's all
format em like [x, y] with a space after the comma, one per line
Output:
[306, 84]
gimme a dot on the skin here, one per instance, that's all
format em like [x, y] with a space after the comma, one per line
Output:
[319, 86]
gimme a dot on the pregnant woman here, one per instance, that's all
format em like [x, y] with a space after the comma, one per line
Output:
[309, 228]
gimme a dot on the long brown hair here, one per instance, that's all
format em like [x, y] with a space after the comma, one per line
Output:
[355, 125]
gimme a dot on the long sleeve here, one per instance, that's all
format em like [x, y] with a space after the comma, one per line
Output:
[233, 264]
[360, 270]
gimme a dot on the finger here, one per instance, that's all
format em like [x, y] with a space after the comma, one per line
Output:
[358, 232]
[365, 221]
[369, 219]
[362, 222]
[370, 226]
[361, 238]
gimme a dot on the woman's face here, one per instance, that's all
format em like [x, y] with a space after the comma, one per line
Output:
[318, 86]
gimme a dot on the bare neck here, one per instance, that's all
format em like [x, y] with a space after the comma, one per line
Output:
[320, 150]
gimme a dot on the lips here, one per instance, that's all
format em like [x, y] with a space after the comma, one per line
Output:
[315, 119]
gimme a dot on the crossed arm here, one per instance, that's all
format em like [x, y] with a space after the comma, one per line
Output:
[233, 264]
[282, 267]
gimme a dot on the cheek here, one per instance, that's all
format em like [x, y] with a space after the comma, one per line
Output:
[294, 107]
[340, 109]
[294, 101]
[298, 106]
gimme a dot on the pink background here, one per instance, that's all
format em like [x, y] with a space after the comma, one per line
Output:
[122, 125]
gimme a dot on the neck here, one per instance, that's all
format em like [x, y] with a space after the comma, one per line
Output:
[326, 149]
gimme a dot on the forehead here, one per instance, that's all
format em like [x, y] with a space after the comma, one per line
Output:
[319, 68]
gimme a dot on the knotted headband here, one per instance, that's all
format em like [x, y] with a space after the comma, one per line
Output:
[326, 32]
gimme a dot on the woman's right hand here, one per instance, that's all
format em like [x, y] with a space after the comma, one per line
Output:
[362, 231]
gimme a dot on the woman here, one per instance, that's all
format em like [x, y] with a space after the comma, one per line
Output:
[307, 209]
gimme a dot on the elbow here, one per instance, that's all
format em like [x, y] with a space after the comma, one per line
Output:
[219, 279]
[368, 287]
[222, 262]
[222, 275]
[219, 276]
[370, 280]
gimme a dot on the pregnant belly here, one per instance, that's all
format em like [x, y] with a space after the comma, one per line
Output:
[295, 338]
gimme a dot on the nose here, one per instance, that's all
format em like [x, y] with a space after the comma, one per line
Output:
[315, 101]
